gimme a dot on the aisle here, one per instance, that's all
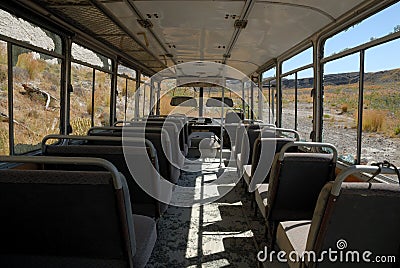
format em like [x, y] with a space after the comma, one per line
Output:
[221, 234]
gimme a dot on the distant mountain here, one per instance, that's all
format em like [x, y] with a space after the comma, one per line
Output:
[380, 77]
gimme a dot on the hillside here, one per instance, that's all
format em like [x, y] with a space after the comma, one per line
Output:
[381, 77]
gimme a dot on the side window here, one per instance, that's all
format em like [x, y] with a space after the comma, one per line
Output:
[102, 96]
[121, 98]
[305, 104]
[368, 131]
[296, 85]
[130, 105]
[4, 119]
[36, 98]
[381, 111]
[341, 105]
[81, 109]
[288, 102]
[126, 87]
[91, 100]
[269, 85]
[35, 87]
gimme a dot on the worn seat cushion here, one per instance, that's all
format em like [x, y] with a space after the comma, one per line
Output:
[146, 236]
[247, 173]
[261, 198]
[291, 237]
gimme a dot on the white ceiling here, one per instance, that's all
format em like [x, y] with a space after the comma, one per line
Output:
[199, 30]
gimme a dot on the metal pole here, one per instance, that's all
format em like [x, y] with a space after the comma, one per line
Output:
[126, 98]
[295, 101]
[269, 102]
[144, 99]
[360, 106]
[10, 98]
[252, 100]
[243, 101]
[137, 94]
[222, 127]
[260, 98]
[273, 102]
[152, 95]
[93, 89]
[113, 100]
[318, 91]
[158, 97]
[279, 94]
[65, 86]
[201, 102]
[248, 104]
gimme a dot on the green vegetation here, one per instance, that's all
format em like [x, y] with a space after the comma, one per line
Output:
[381, 103]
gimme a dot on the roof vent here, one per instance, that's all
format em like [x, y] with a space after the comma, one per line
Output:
[145, 23]
[240, 24]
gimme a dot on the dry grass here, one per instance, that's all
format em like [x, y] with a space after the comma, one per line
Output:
[4, 138]
[80, 126]
[165, 108]
[373, 120]
[33, 66]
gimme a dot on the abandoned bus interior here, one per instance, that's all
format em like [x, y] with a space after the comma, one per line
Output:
[199, 133]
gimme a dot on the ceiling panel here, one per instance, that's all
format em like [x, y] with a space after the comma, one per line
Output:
[202, 29]
[194, 34]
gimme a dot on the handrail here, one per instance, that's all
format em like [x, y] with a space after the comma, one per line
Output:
[104, 128]
[288, 130]
[68, 160]
[356, 169]
[121, 122]
[308, 144]
[153, 151]
[115, 128]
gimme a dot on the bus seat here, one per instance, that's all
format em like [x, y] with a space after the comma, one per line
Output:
[236, 146]
[158, 137]
[147, 236]
[55, 218]
[167, 160]
[350, 216]
[181, 122]
[177, 142]
[261, 148]
[248, 143]
[296, 180]
[142, 202]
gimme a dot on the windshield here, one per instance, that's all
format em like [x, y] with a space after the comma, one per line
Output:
[186, 100]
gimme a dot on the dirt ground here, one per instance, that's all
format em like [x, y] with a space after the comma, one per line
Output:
[339, 129]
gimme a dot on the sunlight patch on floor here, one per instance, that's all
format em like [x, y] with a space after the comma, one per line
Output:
[208, 243]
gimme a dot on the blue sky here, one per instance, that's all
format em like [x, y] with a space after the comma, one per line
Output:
[383, 57]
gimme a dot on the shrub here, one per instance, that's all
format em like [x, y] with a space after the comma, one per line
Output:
[3, 141]
[373, 120]
[397, 131]
[80, 126]
[20, 74]
[33, 66]
[344, 108]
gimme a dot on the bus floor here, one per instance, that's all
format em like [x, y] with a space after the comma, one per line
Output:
[224, 233]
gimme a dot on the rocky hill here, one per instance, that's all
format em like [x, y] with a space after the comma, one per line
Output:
[381, 77]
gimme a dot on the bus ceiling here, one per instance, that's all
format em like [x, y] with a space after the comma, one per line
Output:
[153, 35]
